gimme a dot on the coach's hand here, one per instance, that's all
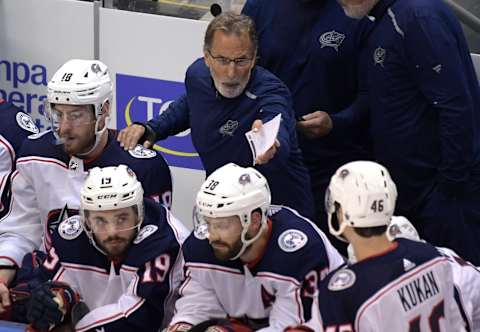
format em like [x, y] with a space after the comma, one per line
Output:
[315, 125]
[129, 137]
[270, 153]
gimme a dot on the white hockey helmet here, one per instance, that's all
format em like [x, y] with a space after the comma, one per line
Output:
[80, 82]
[366, 193]
[234, 191]
[401, 227]
[110, 188]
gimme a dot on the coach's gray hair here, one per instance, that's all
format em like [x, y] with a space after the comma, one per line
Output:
[231, 23]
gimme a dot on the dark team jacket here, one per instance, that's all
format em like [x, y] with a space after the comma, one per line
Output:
[311, 46]
[424, 98]
[218, 126]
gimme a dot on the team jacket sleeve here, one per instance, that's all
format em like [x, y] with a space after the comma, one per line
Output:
[442, 79]
[142, 307]
[197, 302]
[250, 9]
[21, 229]
[173, 121]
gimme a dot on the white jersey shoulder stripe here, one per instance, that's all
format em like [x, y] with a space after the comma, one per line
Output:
[82, 267]
[212, 267]
[278, 277]
[24, 160]
[89, 322]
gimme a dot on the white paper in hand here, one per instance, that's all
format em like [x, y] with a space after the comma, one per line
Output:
[263, 139]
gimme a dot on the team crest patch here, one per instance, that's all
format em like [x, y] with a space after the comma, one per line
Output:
[70, 228]
[201, 231]
[228, 128]
[331, 39]
[341, 280]
[142, 153]
[292, 240]
[25, 121]
[145, 232]
[379, 56]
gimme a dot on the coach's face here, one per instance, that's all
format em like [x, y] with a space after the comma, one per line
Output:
[230, 59]
[224, 235]
[357, 8]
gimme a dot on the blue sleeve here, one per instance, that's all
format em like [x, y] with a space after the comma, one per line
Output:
[355, 117]
[173, 121]
[439, 70]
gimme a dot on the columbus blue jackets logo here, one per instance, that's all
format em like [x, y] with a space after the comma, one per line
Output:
[140, 152]
[244, 179]
[70, 228]
[342, 279]
[228, 129]
[331, 39]
[379, 56]
[57, 216]
[292, 240]
[145, 232]
[26, 122]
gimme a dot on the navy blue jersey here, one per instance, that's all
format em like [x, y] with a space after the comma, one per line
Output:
[135, 293]
[47, 180]
[15, 126]
[407, 288]
[278, 288]
[424, 97]
[311, 46]
[218, 126]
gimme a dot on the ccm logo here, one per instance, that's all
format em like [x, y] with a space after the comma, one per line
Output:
[106, 196]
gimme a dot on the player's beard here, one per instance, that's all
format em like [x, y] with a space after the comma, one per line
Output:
[227, 254]
[75, 144]
[115, 246]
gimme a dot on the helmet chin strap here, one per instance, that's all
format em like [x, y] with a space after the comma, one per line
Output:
[98, 137]
[246, 243]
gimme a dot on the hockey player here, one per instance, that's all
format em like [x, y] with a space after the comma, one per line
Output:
[395, 286]
[15, 126]
[226, 96]
[121, 256]
[465, 275]
[51, 166]
[247, 260]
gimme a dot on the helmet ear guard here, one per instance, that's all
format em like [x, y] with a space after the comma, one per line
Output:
[366, 194]
[233, 191]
